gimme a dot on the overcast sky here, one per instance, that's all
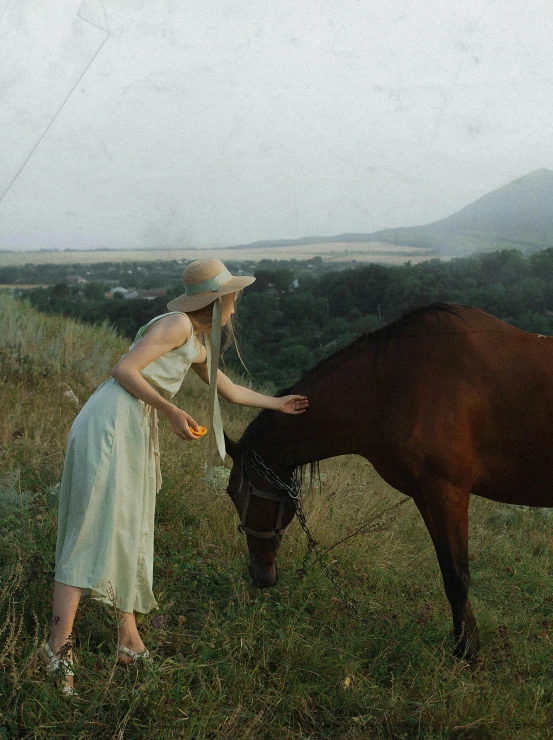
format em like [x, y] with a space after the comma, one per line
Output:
[157, 123]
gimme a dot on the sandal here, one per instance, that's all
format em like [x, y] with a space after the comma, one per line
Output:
[59, 667]
[143, 658]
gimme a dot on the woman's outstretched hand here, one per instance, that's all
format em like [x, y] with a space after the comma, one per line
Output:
[292, 404]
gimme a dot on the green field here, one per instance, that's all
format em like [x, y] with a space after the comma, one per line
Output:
[235, 662]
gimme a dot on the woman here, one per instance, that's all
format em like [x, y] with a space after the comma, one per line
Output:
[111, 473]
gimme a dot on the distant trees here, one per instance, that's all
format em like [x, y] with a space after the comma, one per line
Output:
[292, 319]
[298, 326]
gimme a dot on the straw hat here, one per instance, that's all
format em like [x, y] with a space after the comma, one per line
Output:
[204, 281]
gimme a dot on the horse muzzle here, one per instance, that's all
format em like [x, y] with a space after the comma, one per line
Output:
[263, 577]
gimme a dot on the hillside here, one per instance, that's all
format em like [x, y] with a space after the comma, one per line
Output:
[517, 215]
[235, 662]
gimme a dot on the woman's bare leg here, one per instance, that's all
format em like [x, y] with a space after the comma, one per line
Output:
[66, 601]
[128, 635]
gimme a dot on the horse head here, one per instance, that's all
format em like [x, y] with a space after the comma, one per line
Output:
[265, 510]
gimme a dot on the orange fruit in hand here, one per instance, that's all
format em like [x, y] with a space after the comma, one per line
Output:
[199, 432]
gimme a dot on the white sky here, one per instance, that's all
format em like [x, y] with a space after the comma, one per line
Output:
[157, 123]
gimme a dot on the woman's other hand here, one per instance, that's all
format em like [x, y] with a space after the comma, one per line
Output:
[181, 422]
[292, 404]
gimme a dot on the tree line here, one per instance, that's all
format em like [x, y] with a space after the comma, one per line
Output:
[288, 321]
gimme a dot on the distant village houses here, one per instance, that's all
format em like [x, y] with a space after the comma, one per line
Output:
[130, 293]
[151, 294]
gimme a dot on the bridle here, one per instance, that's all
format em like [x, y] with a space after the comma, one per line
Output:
[291, 492]
[251, 460]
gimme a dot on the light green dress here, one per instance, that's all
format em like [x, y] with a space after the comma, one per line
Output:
[109, 485]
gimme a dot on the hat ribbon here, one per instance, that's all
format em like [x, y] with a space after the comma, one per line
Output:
[214, 284]
[213, 347]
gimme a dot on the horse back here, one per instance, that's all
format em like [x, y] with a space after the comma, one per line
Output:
[467, 397]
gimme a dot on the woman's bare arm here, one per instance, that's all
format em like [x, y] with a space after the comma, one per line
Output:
[238, 394]
[163, 336]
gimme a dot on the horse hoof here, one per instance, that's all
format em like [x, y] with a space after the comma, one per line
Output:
[466, 649]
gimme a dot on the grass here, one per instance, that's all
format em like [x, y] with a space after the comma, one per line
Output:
[235, 662]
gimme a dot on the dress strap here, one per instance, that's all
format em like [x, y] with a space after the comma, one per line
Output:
[157, 318]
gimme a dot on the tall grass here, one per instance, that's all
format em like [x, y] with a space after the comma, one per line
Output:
[235, 662]
[32, 346]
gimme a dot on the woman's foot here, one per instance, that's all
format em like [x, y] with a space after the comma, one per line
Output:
[127, 656]
[59, 663]
[130, 646]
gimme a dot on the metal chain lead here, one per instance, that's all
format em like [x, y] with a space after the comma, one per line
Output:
[312, 547]
[256, 462]
[293, 490]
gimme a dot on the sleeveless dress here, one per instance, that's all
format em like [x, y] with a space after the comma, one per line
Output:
[108, 490]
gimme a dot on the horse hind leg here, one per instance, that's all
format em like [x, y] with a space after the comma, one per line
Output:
[444, 508]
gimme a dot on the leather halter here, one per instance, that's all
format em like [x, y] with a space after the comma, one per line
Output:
[250, 491]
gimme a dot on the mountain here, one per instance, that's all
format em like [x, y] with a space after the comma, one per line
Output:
[517, 215]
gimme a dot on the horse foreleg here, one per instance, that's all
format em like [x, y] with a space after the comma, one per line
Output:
[444, 508]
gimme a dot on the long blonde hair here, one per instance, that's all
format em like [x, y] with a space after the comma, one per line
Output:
[201, 321]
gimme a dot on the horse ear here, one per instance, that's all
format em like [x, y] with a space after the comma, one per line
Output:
[231, 447]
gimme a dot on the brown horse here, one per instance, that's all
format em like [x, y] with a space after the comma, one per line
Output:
[445, 402]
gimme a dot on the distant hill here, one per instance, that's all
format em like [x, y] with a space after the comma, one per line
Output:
[517, 215]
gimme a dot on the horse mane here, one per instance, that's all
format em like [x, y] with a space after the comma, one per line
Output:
[379, 337]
